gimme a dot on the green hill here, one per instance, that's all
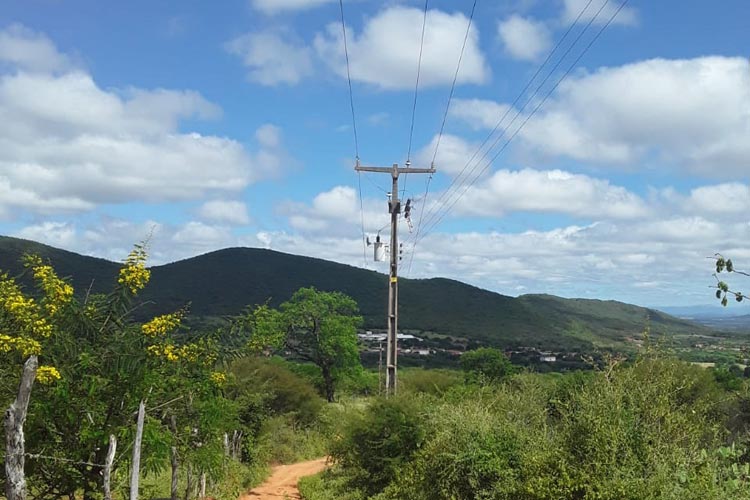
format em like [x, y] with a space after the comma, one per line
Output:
[226, 281]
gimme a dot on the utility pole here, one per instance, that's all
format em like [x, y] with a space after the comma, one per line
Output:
[394, 208]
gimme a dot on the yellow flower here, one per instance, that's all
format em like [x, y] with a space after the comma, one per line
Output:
[23, 311]
[133, 275]
[218, 378]
[166, 351]
[161, 325]
[56, 291]
[47, 374]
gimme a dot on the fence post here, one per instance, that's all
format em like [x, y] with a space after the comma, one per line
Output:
[108, 467]
[15, 416]
[136, 466]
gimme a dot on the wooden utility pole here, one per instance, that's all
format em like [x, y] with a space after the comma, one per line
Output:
[394, 208]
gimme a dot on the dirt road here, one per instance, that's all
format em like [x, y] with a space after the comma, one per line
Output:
[283, 481]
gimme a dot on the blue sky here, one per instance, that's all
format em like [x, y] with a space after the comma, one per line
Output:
[228, 124]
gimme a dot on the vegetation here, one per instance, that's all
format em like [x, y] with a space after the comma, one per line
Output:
[486, 365]
[657, 428]
[215, 411]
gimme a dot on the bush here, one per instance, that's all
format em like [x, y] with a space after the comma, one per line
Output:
[283, 391]
[485, 365]
[377, 443]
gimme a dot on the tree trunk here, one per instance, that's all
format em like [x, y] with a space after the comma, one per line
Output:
[108, 467]
[135, 473]
[328, 383]
[226, 445]
[15, 416]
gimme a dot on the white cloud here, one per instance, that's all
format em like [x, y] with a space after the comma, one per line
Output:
[551, 191]
[480, 113]
[277, 6]
[336, 212]
[524, 38]
[693, 113]
[627, 16]
[720, 198]
[225, 211]
[453, 155]
[270, 59]
[67, 144]
[385, 53]
[29, 50]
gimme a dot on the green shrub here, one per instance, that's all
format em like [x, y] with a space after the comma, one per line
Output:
[377, 443]
[486, 365]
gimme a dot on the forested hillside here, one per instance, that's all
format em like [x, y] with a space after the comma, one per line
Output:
[225, 282]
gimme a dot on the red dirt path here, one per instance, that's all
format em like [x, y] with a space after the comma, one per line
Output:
[283, 481]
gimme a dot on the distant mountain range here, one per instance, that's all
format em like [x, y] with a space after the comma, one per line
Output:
[227, 281]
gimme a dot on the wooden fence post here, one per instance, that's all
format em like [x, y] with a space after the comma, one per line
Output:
[135, 472]
[174, 459]
[108, 467]
[15, 416]
[202, 493]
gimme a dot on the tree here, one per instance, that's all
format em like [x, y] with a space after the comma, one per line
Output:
[320, 327]
[485, 365]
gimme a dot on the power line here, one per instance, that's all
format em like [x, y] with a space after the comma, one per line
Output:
[457, 181]
[533, 112]
[455, 78]
[440, 133]
[349, 79]
[416, 92]
[356, 139]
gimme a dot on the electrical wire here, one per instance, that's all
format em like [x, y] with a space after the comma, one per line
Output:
[533, 112]
[354, 129]
[440, 133]
[416, 93]
[460, 182]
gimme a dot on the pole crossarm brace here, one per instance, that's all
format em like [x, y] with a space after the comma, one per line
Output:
[395, 170]
[394, 208]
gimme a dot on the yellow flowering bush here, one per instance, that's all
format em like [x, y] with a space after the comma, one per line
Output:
[26, 346]
[162, 325]
[24, 312]
[57, 292]
[133, 275]
[47, 374]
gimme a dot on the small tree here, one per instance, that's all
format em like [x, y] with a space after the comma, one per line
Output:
[485, 365]
[320, 327]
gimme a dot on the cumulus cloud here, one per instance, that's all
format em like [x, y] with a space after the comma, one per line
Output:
[453, 154]
[627, 16]
[27, 49]
[524, 38]
[278, 6]
[691, 112]
[337, 211]
[271, 59]
[225, 211]
[550, 191]
[385, 53]
[68, 144]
